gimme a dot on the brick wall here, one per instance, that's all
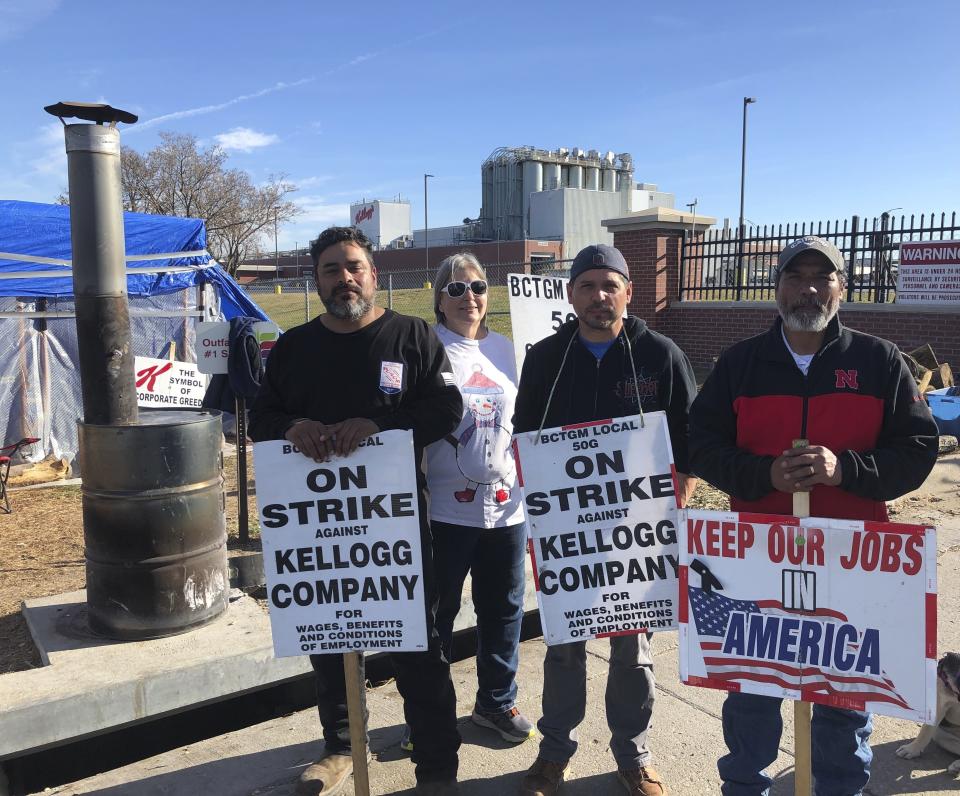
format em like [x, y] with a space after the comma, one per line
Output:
[704, 329]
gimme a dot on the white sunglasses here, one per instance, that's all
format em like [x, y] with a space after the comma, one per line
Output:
[456, 289]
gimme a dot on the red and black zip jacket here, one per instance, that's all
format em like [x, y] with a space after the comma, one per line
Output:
[858, 399]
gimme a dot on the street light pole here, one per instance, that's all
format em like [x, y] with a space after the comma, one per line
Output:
[426, 227]
[693, 224]
[276, 250]
[743, 179]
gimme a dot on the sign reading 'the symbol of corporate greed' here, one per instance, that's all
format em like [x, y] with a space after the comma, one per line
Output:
[341, 547]
[165, 384]
[538, 308]
[601, 516]
[838, 612]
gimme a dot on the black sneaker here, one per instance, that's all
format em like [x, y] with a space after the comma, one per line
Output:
[511, 724]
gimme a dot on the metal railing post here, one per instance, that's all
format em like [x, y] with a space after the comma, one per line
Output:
[683, 262]
[390, 291]
[852, 276]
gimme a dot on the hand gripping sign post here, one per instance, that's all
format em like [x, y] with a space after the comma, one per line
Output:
[837, 612]
[601, 515]
[341, 553]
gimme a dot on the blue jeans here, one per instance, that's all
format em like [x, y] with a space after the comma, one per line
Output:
[494, 557]
[752, 726]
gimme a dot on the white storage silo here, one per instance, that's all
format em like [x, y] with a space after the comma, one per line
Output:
[532, 183]
[576, 177]
[551, 176]
[593, 178]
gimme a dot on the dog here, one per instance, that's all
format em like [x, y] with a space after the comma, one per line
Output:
[945, 729]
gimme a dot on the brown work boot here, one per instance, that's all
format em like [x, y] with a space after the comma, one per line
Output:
[326, 777]
[543, 778]
[643, 781]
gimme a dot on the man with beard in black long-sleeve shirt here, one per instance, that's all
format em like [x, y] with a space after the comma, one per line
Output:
[354, 371]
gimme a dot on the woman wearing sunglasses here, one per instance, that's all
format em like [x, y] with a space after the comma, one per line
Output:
[476, 513]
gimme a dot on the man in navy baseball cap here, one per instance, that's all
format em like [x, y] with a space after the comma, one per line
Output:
[599, 256]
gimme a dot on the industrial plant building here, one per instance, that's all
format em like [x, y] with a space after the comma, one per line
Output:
[536, 205]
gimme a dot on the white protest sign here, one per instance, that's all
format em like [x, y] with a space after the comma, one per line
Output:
[213, 343]
[837, 612]
[929, 272]
[602, 520]
[341, 547]
[163, 383]
[538, 308]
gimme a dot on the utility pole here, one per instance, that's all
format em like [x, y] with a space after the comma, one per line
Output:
[426, 227]
[276, 250]
[743, 179]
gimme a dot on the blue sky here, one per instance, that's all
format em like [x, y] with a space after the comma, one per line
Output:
[857, 101]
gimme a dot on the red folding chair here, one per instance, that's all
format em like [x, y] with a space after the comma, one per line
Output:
[6, 459]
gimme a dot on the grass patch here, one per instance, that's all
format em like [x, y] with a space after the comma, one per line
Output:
[290, 308]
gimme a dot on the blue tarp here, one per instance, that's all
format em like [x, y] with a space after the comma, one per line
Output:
[33, 230]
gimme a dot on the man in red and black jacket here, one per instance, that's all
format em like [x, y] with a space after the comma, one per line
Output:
[871, 439]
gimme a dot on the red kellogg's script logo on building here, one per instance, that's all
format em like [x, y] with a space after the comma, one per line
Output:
[363, 214]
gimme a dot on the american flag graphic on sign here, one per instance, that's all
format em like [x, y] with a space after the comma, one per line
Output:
[793, 664]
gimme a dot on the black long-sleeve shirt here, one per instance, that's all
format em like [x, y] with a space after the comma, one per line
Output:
[393, 371]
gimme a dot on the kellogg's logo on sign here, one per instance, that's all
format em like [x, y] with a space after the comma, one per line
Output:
[363, 214]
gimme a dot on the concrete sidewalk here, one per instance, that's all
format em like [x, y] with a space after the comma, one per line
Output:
[686, 740]
[265, 760]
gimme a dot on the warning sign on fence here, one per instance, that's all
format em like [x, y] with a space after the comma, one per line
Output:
[341, 547]
[929, 272]
[837, 612]
[602, 520]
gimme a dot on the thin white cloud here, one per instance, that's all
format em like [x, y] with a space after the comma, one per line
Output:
[243, 139]
[17, 16]
[284, 85]
[203, 109]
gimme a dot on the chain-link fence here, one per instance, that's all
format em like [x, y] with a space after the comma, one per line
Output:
[290, 302]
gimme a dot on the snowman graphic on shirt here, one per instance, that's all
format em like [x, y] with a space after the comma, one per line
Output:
[484, 453]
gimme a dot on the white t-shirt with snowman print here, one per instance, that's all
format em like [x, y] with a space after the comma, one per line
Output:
[471, 472]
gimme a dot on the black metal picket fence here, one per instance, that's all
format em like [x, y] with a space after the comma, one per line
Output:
[722, 265]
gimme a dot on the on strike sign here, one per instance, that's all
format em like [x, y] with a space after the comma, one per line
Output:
[838, 612]
[341, 547]
[602, 520]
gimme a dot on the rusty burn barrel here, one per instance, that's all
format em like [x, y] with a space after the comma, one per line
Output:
[153, 523]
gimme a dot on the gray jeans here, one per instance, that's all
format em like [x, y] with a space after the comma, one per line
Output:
[631, 690]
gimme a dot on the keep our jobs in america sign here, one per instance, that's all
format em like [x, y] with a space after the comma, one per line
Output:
[341, 547]
[602, 522]
[837, 612]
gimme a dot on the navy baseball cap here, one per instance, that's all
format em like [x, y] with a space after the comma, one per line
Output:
[599, 256]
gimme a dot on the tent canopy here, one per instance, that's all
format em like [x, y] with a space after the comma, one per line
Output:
[164, 255]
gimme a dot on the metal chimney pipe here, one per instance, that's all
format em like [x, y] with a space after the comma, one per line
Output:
[154, 533]
[99, 263]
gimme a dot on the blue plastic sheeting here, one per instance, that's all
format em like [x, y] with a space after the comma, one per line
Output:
[41, 230]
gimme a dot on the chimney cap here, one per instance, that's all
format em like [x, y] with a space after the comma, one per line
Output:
[90, 112]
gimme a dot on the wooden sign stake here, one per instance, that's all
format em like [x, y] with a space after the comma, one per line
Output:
[802, 752]
[356, 697]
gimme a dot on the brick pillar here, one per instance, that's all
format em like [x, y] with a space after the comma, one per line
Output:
[653, 256]
[650, 241]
